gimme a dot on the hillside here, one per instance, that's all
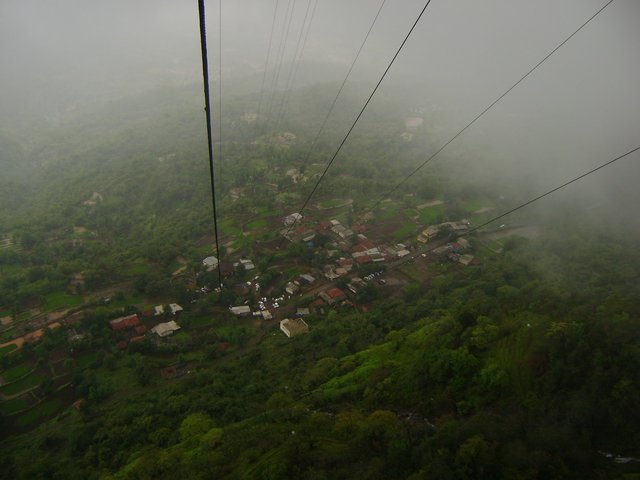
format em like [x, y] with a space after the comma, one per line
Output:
[509, 353]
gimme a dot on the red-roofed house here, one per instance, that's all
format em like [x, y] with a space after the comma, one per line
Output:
[324, 225]
[333, 295]
[123, 323]
[345, 262]
[141, 329]
[363, 260]
[368, 244]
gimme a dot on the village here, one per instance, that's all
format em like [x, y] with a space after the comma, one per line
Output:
[279, 274]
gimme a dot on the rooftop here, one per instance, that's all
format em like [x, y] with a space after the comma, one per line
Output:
[293, 326]
[335, 293]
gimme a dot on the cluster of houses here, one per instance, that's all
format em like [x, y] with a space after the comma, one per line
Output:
[130, 328]
[454, 251]
[296, 284]
[432, 230]
[350, 244]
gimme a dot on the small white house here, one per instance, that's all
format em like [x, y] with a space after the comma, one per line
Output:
[210, 263]
[165, 329]
[293, 326]
[175, 308]
[291, 219]
[242, 310]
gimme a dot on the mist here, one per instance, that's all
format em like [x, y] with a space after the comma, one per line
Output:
[579, 109]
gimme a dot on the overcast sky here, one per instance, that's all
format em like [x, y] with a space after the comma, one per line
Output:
[581, 108]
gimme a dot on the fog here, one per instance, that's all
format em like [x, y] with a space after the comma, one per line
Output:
[578, 110]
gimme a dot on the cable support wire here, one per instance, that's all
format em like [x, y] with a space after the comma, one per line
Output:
[266, 62]
[539, 197]
[207, 109]
[375, 89]
[491, 105]
[286, 27]
[344, 82]
[297, 54]
[297, 66]
[219, 90]
[553, 190]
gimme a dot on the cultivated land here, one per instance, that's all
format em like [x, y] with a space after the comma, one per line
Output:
[428, 349]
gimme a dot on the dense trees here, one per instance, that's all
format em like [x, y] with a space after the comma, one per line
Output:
[521, 367]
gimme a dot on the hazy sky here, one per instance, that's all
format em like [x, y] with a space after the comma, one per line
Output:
[581, 108]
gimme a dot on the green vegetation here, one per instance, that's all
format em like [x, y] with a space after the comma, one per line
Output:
[475, 204]
[521, 367]
[14, 373]
[136, 268]
[13, 406]
[229, 227]
[333, 203]
[431, 215]
[56, 300]
[408, 229]
[22, 385]
[42, 410]
[86, 360]
[7, 348]
[255, 224]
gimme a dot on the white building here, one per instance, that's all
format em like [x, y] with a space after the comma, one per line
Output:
[291, 219]
[210, 263]
[175, 308]
[293, 326]
[165, 329]
[242, 310]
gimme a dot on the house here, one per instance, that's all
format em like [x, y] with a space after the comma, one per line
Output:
[291, 219]
[413, 123]
[242, 289]
[73, 336]
[341, 271]
[210, 263]
[241, 311]
[266, 315]
[175, 308]
[463, 242]
[324, 225]
[93, 199]
[356, 284]
[236, 193]
[302, 312]
[291, 288]
[341, 230]
[465, 259]
[333, 296]
[329, 273]
[246, 263]
[363, 260]
[293, 327]
[249, 117]
[140, 329]
[123, 323]
[428, 233]
[307, 278]
[165, 329]
[158, 310]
